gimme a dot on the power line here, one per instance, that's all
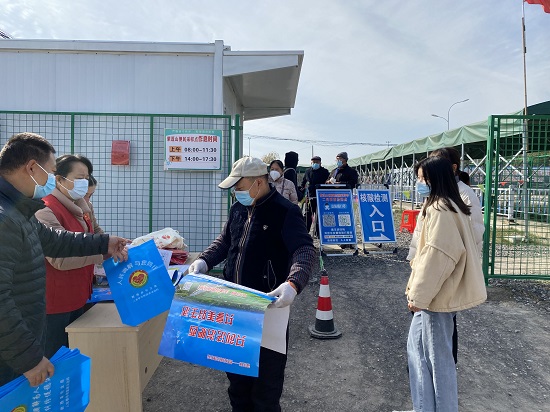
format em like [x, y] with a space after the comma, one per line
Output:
[318, 142]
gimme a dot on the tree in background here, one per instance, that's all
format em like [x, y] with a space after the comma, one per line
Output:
[271, 156]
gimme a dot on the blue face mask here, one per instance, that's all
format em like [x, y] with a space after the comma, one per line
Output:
[243, 196]
[41, 191]
[315, 166]
[422, 189]
[340, 163]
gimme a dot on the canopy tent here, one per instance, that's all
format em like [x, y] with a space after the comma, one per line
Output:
[472, 136]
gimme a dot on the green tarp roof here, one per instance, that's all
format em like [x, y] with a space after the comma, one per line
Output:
[473, 136]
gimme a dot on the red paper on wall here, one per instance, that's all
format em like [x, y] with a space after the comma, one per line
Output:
[120, 153]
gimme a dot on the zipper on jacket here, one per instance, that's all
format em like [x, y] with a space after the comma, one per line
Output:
[241, 245]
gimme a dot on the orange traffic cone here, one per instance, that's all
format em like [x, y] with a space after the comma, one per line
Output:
[324, 322]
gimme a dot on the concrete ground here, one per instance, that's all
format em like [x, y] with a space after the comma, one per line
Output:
[504, 351]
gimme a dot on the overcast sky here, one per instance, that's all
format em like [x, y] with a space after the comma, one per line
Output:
[373, 71]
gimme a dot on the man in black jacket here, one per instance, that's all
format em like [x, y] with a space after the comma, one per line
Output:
[344, 174]
[265, 246]
[26, 165]
[315, 175]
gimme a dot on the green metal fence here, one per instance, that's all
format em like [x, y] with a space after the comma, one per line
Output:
[134, 200]
[517, 197]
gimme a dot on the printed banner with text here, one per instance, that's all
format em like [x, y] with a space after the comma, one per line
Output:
[336, 218]
[216, 324]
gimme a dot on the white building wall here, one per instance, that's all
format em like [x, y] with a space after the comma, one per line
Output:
[107, 83]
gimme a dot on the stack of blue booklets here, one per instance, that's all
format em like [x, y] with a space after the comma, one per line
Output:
[67, 390]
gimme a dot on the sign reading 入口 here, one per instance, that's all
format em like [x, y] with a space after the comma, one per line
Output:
[192, 149]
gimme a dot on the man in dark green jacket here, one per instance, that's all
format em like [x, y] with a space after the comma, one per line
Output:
[26, 165]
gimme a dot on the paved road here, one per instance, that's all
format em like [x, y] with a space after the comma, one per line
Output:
[504, 358]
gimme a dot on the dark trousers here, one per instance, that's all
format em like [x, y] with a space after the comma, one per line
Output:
[261, 394]
[55, 330]
[7, 374]
[311, 209]
[455, 341]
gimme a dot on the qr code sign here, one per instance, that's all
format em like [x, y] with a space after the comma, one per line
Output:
[329, 220]
[344, 220]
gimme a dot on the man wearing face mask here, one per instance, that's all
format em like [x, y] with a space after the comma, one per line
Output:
[315, 175]
[343, 174]
[265, 246]
[27, 164]
[68, 279]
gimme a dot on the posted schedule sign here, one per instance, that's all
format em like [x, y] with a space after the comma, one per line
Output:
[192, 149]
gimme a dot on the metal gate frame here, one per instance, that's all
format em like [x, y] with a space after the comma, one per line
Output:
[517, 220]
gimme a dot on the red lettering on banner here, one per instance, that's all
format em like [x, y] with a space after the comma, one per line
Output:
[221, 336]
[193, 331]
[220, 317]
[228, 319]
[202, 314]
[240, 340]
[194, 313]
[202, 333]
[211, 334]
[185, 311]
[211, 316]
[230, 339]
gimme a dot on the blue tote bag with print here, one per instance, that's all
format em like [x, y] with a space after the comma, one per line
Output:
[141, 286]
[68, 390]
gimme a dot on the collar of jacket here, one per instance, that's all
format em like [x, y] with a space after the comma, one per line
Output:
[26, 206]
[77, 208]
[266, 198]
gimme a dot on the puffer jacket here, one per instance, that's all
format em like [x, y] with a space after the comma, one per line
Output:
[24, 242]
[265, 245]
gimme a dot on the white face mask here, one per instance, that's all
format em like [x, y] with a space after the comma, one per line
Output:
[79, 190]
[274, 174]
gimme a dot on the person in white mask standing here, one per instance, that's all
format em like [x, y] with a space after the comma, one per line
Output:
[68, 280]
[283, 185]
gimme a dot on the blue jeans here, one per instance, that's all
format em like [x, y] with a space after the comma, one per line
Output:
[432, 371]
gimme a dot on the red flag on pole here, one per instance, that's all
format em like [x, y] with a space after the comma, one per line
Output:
[544, 3]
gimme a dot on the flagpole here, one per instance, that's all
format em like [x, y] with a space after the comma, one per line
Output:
[524, 53]
[525, 139]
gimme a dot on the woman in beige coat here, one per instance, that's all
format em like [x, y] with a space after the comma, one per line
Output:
[446, 277]
[284, 186]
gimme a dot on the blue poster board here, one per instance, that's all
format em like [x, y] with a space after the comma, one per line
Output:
[377, 222]
[336, 217]
[216, 324]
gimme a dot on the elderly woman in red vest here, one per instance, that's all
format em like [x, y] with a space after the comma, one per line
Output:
[68, 280]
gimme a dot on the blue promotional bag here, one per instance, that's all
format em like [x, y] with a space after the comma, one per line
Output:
[141, 286]
[67, 390]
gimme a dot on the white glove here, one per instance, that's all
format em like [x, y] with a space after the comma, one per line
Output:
[198, 266]
[332, 180]
[286, 294]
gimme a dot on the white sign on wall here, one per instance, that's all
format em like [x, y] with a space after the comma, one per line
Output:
[192, 149]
